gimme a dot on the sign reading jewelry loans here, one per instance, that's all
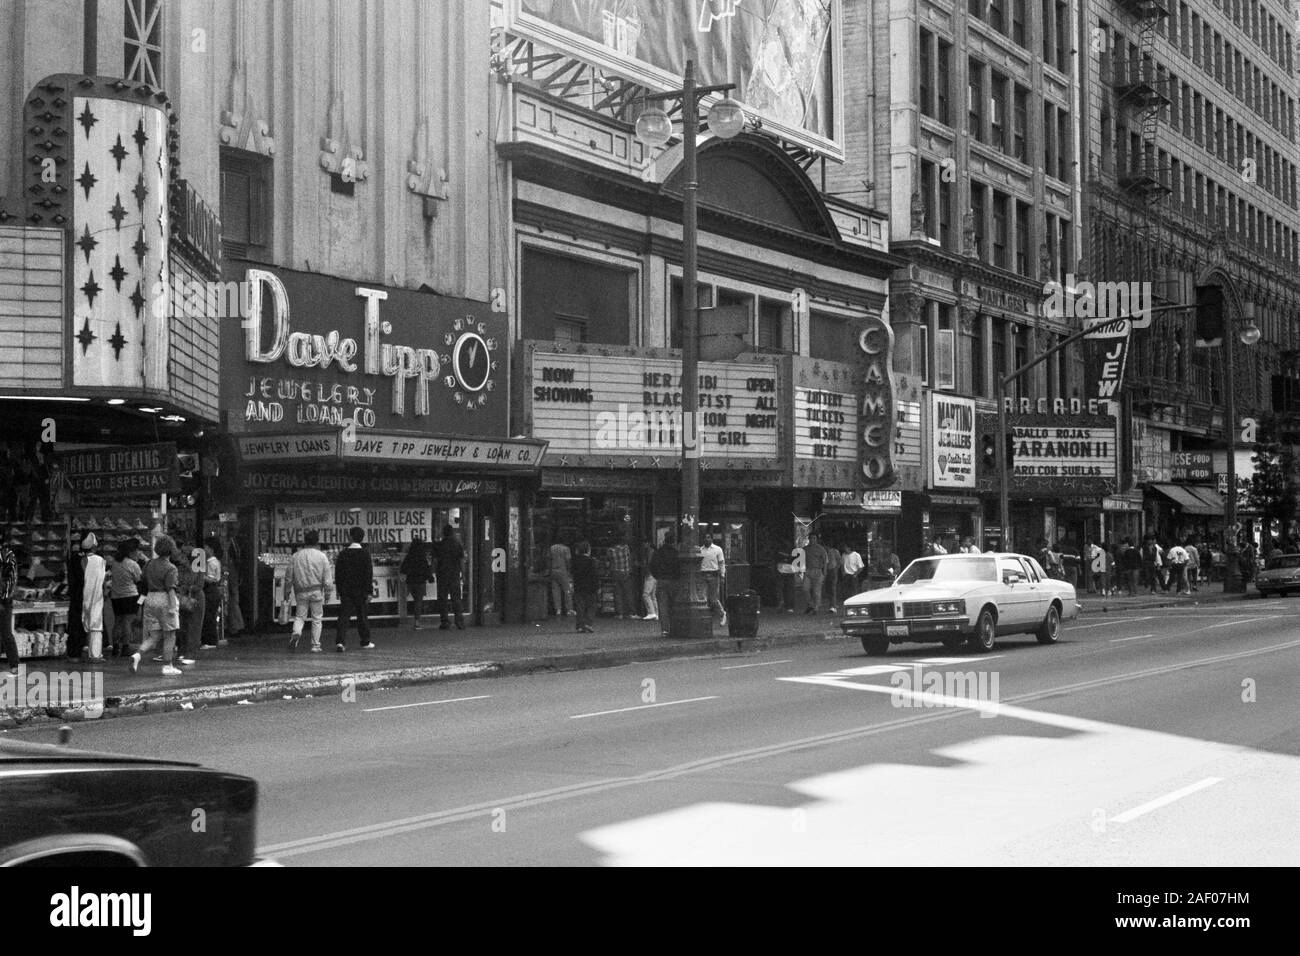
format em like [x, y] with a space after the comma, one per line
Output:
[321, 353]
[952, 441]
[630, 406]
[876, 421]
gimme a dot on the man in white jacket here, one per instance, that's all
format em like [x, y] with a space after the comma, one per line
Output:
[309, 573]
[92, 598]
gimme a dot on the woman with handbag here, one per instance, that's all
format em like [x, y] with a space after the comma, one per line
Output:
[190, 564]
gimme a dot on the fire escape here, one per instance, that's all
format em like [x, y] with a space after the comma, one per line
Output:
[1158, 376]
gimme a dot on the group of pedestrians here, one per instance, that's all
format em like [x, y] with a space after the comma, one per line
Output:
[1178, 565]
[353, 575]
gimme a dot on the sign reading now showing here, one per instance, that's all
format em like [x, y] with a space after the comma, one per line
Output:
[952, 441]
[825, 424]
[625, 405]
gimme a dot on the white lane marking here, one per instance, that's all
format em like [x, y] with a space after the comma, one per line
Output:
[390, 828]
[1164, 801]
[875, 670]
[624, 710]
[425, 703]
[736, 667]
[1120, 640]
[1247, 620]
[1118, 620]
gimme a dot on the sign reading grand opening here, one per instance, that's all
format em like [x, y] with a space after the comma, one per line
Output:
[323, 353]
[119, 471]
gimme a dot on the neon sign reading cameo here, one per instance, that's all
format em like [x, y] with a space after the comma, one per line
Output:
[876, 456]
[313, 350]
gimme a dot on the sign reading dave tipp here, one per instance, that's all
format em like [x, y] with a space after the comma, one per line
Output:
[952, 441]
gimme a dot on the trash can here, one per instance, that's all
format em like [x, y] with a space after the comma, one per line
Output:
[742, 614]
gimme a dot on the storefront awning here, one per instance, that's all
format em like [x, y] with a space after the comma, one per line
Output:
[1213, 500]
[1186, 500]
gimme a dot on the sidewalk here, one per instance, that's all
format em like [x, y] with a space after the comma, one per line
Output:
[261, 667]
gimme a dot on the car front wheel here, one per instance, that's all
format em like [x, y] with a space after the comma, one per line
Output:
[1049, 632]
[876, 646]
[983, 638]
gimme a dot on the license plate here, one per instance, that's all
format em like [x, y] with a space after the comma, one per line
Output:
[895, 630]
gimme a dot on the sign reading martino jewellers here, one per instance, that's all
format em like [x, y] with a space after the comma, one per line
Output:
[876, 450]
[319, 353]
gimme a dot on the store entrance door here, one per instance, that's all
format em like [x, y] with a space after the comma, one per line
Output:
[460, 517]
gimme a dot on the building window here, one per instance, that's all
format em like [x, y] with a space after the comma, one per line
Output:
[946, 238]
[1020, 125]
[975, 99]
[1062, 23]
[1049, 140]
[571, 299]
[142, 34]
[703, 300]
[775, 326]
[925, 72]
[978, 197]
[1018, 21]
[978, 373]
[827, 337]
[570, 329]
[923, 343]
[945, 359]
[941, 82]
[1001, 230]
[995, 18]
[1022, 238]
[998, 111]
[1063, 150]
[246, 205]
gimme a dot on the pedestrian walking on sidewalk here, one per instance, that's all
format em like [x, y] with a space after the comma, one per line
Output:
[832, 583]
[8, 582]
[1193, 565]
[1177, 558]
[191, 565]
[648, 586]
[666, 570]
[620, 569]
[160, 615]
[449, 555]
[852, 566]
[713, 566]
[816, 560]
[418, 572]
[211, 594]
[309, 574]
[1152, 560]
[354, 578]
[124, 592]
[586, 587]
[93, 579]
[560, 572]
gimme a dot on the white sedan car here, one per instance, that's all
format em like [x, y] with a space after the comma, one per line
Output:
[961, 599]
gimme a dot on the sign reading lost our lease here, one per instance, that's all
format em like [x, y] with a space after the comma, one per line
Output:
[952, 441]
[627, 405]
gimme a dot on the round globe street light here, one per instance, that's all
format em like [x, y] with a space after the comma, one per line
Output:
[726, 118]
[1249, 333]
[654, 127]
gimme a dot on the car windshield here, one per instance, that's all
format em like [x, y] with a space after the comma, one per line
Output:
[1285, 561]
[950, 569]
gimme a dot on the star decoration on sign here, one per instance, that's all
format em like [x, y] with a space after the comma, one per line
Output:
[87, 243]
[140, 136]
[118, 212]
[87, 119]
[137, 299]
[91, 288]
[118, 342]
[140, 192]
[86, 180]
[86, 337]
[117, 273]
[118, 152]
[140, 247]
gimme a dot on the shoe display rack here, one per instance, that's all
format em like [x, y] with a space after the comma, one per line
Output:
[112, 530]
[39, 616]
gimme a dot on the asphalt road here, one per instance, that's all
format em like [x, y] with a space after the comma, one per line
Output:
[1167, 737]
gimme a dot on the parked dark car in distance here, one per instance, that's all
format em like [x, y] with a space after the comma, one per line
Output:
[65, 807]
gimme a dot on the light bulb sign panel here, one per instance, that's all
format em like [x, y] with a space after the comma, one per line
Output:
[782, 55]
[1056, 456]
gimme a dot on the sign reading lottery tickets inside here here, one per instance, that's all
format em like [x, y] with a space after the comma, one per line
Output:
[952, 441]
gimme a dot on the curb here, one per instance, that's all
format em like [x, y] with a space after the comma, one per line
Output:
[247, 692]
[1158, 603]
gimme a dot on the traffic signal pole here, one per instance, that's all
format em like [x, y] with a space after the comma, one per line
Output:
[1004, 478]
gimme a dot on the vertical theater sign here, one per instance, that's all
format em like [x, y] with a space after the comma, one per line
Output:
[876, 340]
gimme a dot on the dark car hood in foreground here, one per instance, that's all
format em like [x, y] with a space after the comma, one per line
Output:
[24, 751]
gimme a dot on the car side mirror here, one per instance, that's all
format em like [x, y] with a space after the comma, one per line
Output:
[1011, 577]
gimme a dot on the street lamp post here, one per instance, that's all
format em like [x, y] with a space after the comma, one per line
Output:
[1249, 333]
[691, 618]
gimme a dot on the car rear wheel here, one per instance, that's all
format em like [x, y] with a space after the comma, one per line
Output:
[985, 632]
[876, 646]
[1049, 632]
